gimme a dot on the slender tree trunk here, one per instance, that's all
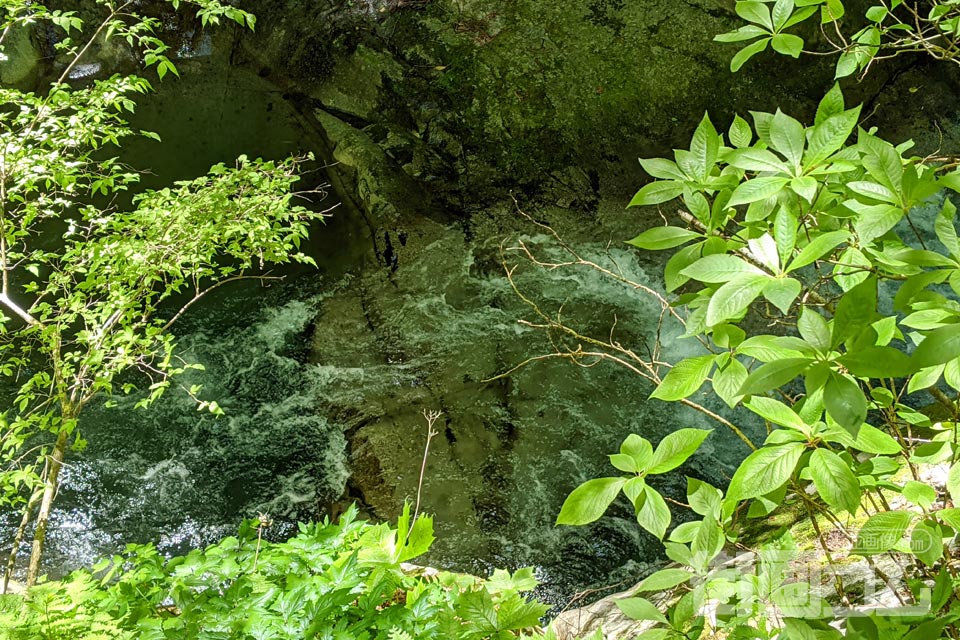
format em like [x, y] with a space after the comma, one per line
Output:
[50, 486]
[17, 539]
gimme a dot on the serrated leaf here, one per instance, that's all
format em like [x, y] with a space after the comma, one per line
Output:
[757, 189]
[881, 532]
[740, 134]
[719, 268]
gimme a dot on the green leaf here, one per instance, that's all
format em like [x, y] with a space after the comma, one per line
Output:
[732, 299]
[756, 12]
[740, 134]
[814, 329]
[938, 347]
[782, 9]
[926, 543]
[855, 311]
[881, 532]
[675, 448]
[776, 412]
[774, 375]
[877, 362]
[818, 247]
[834, 481]
[663, 580]
[782, 292]
[663, 169]
[831, 105]
[845, 402]
[684, 378]
[787, 136]
[746, 53]
[664, 238]
[946, 232]
[846, 64]
[746, 32]
[953, 483]
[919, 494]
[640, 609]
[757, 189]
[728, 380]
[703, 498]
[787, 44]
[653, 514]
[719, 267]
[829, 135]
[639, 449]
[657, 193]
[764, 471]
[704, 147]
[753, 159]
[588, 501]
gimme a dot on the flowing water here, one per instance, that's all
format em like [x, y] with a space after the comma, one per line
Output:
[323, 379]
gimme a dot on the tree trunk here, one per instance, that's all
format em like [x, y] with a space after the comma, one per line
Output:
[17, 539]
[50, 487]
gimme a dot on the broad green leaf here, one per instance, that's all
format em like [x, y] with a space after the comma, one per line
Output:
[782, 292]
[829, 135]
[846, 64]
[719, 268]
[782, 9]
[657, 193]
[746, 53]
[806, 187]
[684, 378]
[639, 449]
[675, 448]
[925, 377]
[873, 190]
[653, 514]
[640, 609]
[787, 44]
[663, 169]
[764, 471]
[732, 299]
[819, 246]
[920, 494]
[787, 137]
[588, 501]
[852, 268]
[814, 329]
[703, 498]
[845, 402]
[757, 189]
[707, 544]
[953, 483]
[946, 232]
[663, 580]
[776, 412]
[831, 105]
[704, 147]
[938, 347]
[740, 134]
[746, 32]
[873, 221]
[855, 311]
[926, 543]
[774, 375]
[881, 532]
[664, 238]
[753, 159]
[835, 481]
[766, 348]
[754, 11]
[728, 380]
[877, 362]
